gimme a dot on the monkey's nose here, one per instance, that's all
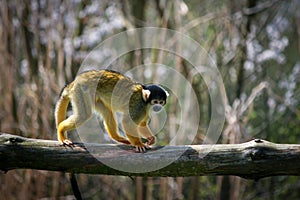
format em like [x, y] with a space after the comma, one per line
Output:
[157, 108]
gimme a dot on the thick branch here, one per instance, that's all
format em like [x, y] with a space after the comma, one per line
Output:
[255, 159]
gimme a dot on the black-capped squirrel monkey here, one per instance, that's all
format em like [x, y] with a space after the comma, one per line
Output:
[107, 92]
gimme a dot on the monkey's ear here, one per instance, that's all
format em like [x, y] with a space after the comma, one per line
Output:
[146, 94]
[167, 93]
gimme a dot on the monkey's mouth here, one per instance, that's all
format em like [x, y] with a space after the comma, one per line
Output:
[157, 108]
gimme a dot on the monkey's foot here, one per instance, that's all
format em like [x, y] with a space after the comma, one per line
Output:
[67, 142]
[141, 148]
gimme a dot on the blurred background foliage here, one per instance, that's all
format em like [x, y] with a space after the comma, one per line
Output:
[255, 44]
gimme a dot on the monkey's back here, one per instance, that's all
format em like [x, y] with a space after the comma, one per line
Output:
[112, 88]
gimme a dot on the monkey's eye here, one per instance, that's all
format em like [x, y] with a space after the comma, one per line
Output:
[162, 102]
[156, 101]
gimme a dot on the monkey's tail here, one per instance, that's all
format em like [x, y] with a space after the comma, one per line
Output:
[61, 107]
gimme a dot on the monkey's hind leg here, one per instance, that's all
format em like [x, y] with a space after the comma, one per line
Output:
[66, 125]
[110, 122]
[82, 111]
[60, 115]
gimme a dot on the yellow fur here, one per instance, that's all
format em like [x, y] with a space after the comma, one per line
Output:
[105, 92]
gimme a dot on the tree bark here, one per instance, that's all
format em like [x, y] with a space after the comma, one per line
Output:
[251, 160]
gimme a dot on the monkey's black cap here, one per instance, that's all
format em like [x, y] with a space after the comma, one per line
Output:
[156, 92]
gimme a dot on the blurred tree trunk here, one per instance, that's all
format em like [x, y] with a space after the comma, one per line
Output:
[7, 50]
[138, 12]
[28, 37]
[230, 186]
[163, 188]
[149, 191]
[139, 188]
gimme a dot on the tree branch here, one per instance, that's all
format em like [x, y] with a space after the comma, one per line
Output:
[252, 160]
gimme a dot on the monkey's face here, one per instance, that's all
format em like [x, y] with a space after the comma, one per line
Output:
[156, 96]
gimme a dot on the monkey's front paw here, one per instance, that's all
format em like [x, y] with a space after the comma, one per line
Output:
[151, 140]
[141, 148]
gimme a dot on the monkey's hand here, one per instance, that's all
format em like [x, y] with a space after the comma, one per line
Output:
[141, 148]
[151, 140]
